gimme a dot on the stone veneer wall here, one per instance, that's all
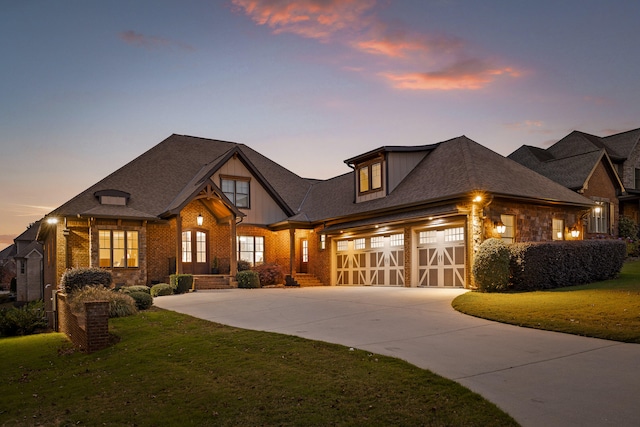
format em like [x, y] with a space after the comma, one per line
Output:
[89, 332]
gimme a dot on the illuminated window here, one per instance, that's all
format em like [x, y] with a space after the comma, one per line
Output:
[201, 247]
[509, 221]
[305, 251]
[118, 248]
[186, 246]
[370, 177]
[251, 249]
[377, 242]
[323, 242]
[558, 229]
[237, 191]
[343, 245]
[599, 218]
[359, 244]
[397, 240]
[454, 234]
[426, 237]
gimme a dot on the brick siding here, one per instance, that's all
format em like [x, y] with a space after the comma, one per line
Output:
[90, 331]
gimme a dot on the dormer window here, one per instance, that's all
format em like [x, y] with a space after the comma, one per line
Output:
[112, 197]
[370, 177]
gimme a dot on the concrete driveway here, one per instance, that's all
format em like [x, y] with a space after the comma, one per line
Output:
[540, 378]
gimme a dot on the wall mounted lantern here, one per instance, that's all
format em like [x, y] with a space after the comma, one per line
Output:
[574, 232]
[199, 220]
[500, 227]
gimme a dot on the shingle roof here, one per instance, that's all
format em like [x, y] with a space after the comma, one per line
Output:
[454, 168]
[8, 252]
[157, 179]
[622, 143]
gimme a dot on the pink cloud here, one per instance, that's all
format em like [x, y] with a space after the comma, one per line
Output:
[470, 74]
[308, 18]
[150, 42]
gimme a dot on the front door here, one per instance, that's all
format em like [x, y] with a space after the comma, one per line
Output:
[194, 252]
[304, 256]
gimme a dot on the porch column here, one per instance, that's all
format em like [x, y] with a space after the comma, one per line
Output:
[292, 251]
[179, 244]
[233, 258]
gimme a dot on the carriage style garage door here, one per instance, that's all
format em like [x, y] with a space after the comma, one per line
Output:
[371, 260]
[441, 257]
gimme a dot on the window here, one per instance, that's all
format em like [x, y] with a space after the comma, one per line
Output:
[118, 248]
[237, 191]
[637, 179]
[201, 247]
[509, 235]
[305, 250]
[397, 240]
[599, 218]
[370, 177]
[22, 263]
[377, 242]
[186, 246]
[454, 234]
[558, 229]
[343, 245]
[359, 243]
[251, 249]
[426, 237]
[323, 242]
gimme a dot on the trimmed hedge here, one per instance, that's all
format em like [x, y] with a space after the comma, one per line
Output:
[161, 289]
[270, 274]
[181, 283]
[135, 288]
[143, 300]
[548, 265]
[120, 304]
[77, 278]
[491, 266]
[248, 279]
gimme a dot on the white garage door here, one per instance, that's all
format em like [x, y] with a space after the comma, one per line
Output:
[441, 257]
[371, 260]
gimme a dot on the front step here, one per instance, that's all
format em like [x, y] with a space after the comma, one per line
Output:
[303, 280]
[212, 281]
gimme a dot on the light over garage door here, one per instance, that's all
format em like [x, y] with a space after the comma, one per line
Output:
[441, 257]
[371, 260]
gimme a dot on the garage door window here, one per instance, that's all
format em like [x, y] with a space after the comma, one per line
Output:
[377, 242]
[427, 237]
[359, 243]
[454, 234]
[397, 240]
[343, 245]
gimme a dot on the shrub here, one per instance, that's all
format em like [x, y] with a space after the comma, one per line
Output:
[143, 300]
[627, 228]
[135, 288]
[181, 283]
[25, 320]
[248, 279]
[120, 304]
[77, 278]
[161, 289]
[243, 265]
[491, 266]
[549, 265]
[270, 274]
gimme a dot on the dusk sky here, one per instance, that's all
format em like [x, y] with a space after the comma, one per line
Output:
[87, 86]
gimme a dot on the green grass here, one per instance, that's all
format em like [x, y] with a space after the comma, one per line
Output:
[609, 309]
[172, 369]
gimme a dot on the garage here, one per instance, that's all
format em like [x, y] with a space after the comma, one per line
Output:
[371, 260]
[441, 257]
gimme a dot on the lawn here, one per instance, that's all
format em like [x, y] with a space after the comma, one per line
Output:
[609, 309]
[172, 369]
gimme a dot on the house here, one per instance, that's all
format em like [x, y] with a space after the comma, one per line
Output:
[29, 265]
[404, 216]
[602, 169]
[7, 266]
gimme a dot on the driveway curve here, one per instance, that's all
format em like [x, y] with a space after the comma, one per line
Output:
[540, 378]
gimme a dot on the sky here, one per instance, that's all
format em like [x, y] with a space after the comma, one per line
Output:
[87, 86]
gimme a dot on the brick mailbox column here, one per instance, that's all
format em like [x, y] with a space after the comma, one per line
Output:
[97, 325]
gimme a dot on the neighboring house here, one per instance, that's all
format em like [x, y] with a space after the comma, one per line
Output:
[606, 170]
[405, 216]
[7, 266]
[29, 265]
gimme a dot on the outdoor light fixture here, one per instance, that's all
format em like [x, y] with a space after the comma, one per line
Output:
[597, 209]
[500, 227]
[575, 232]
[199, 220]
[477, 199]
[559, 234]
[52, 220]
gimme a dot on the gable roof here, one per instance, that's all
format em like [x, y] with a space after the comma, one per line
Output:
[451, 169]
[161, 179]
[8, 252]
[623, 143]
